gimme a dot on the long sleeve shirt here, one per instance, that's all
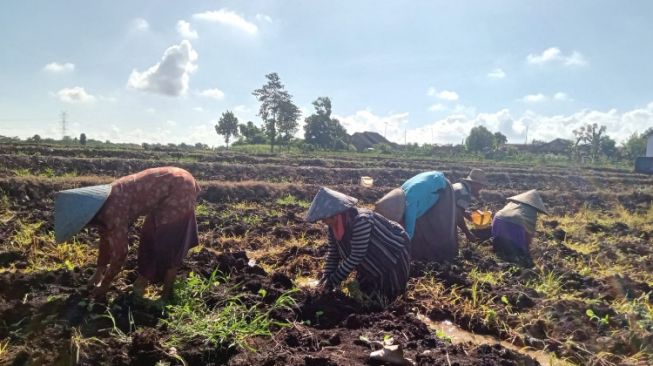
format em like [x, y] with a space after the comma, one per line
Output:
[373, 246]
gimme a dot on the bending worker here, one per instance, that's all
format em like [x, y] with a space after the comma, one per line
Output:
[513, 227]
[166, 196]
[425, 206]
[463, 192]
[361, 240]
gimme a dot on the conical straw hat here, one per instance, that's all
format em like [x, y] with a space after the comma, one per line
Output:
[531, 198]
[74, 208]
[477, 176]
[327, 203]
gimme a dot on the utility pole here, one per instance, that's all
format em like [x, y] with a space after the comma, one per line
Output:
[526, 141]
[63, 124]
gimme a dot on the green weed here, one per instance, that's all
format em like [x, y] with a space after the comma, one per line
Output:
[229, 322]
[202, 210]
[290, 200]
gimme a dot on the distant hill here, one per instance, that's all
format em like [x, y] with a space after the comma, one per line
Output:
[367, 139]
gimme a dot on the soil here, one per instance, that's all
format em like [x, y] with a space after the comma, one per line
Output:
[46, 317]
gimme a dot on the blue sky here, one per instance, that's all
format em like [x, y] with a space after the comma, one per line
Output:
[140, 71]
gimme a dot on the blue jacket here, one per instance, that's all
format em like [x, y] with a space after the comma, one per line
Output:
[421, 194]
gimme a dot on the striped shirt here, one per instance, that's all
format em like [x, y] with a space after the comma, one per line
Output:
[373, 245]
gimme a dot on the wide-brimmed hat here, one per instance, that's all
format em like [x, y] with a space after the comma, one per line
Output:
[74, 208]
[531, 198]
[327, 203]
[477, 176]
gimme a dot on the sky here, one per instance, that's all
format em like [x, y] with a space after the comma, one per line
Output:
[419, 71]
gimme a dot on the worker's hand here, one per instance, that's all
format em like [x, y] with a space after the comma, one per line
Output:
[100, 291]
[473, 238]
[96, 278]
[324, 287]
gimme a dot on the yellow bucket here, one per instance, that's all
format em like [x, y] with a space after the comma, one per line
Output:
[481, 219]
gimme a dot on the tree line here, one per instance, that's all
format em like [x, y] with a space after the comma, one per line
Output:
[281, 121]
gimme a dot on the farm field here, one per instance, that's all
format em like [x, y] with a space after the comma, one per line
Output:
[245, 296]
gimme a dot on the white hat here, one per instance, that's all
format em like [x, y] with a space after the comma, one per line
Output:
[327, 203]
[531, 198]
[74, 208]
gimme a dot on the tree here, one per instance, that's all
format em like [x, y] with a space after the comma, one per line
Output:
[287, 125]
[251, 133]
[323, 131]
[36, 138]
[591, 135]
[227, 126]
[499, 139]
[82, 139]
[608, 147]
[277, 110]
[479, 139]
[635, 146]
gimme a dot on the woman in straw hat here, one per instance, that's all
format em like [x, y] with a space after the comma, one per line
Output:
[361, 240]
[513, 227]
[463, 192]
[166, 196]
[425, 206]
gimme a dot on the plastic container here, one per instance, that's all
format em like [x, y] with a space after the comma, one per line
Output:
[367, 181]
[481, 219]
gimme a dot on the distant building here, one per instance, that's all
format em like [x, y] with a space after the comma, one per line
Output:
[365, 140]
[557, 146]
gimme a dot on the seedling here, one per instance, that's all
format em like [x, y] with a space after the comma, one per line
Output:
[318, 314]
[441, 335]
[600, 321]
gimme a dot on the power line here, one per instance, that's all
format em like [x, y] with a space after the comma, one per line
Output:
[63, 124]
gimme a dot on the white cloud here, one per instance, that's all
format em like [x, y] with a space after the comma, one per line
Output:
[534, 98]
[169, 76]
[184, 30]
[75, 94]
[171, 123]
[562, 97]
[242, 109]
[497, 73]
[59, 67]
[263, 18]
[447, 95]
[227, 17]
[538, 98]
[437, 107]
[553, 54]
[576, 59]
[140, 24]
[365, 120]
[150, 110]
[212, 93]
[198, 109]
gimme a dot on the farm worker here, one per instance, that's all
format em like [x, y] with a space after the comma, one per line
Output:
[513, 227]
[425, 206]
[463, 192]
[165, 196]
[361, 240]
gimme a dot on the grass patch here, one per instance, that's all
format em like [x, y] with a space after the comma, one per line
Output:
[548, 283]
[290, 200]
[202, 210]
[227, 323]
[43, 254]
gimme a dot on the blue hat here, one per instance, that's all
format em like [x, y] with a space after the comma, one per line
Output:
[74, 208]
[327, 203]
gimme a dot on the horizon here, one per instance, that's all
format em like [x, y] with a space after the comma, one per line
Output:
[137, 72]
